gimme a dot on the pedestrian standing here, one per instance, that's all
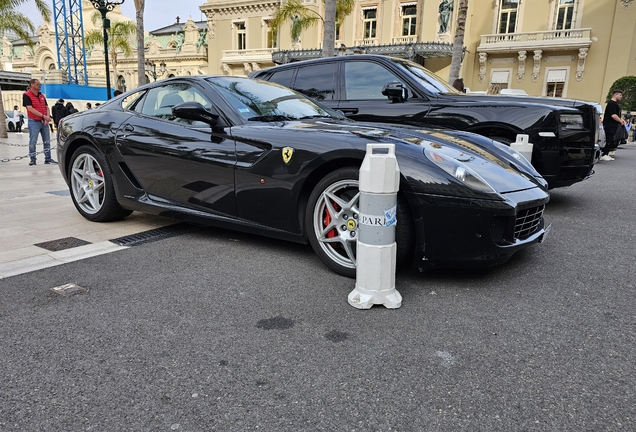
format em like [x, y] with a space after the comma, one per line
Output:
[70, 108]
[611, 122]
[39, 116]
[19, 119]
[88, 105]
[58, 112]
[459, 85]
[628, 125]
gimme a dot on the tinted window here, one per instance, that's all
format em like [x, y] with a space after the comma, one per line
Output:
[263, 101]
[130, 102]
[365, 80]
[160, 100]
[283, 77]
[317, 81]
[428, 79]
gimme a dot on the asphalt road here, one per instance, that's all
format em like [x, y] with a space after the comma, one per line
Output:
[221, 331]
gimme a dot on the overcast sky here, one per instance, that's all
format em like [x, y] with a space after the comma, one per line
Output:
[157, 13]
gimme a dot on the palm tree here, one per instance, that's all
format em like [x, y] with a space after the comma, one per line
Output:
[21, 25]
[329, 33]
[302, 18]
[141, 57]
[119, 35]
[458, 42]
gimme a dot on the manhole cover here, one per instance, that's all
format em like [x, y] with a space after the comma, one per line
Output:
[62, 244]
[69, 289]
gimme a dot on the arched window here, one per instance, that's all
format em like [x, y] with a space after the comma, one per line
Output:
[508, 16]
[121, 83]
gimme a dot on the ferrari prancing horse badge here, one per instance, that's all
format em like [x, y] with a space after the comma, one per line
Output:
[287, 154]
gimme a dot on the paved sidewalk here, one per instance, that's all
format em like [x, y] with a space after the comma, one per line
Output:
[36, 207]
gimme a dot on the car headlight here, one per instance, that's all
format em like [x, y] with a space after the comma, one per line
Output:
[571, 121]
[518, 157]
[458, 170]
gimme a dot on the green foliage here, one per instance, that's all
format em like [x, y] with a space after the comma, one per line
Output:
[11, 19]
[628, 85]
[302, 17]
[119, 35]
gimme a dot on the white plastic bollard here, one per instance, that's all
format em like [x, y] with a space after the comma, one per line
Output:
[376, 247]
[523, 146]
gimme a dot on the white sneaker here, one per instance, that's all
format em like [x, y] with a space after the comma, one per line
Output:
[606, 158]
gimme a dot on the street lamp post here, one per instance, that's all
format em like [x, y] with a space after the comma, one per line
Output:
[104, 6]
[151, 68]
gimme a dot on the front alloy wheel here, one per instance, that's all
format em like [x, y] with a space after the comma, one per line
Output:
[332, 219]
[335, 224]
[92, 187]
[87, 183]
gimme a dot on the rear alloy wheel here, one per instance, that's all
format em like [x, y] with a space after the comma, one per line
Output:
[92, 188]
[332, 222]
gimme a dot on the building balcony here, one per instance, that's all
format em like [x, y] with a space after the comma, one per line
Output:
[552, 40]
[404, 39]
[366, 42]
[247, 55]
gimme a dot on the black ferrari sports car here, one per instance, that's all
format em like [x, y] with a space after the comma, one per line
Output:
[257, 157]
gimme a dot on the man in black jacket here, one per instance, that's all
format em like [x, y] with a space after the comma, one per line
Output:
[611, 122]
[58, 112]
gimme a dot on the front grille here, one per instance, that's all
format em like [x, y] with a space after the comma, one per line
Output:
[498, 229]
[528, 222]
[573, 173]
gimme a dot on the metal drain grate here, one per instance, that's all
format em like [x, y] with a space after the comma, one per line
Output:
[62, 244]
[154, 235]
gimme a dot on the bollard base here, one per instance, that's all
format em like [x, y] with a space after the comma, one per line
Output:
[362, 299]
[375, 278]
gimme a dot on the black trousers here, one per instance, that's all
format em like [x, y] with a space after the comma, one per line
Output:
[610, 144]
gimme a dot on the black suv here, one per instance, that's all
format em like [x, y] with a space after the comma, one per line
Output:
[374, 88]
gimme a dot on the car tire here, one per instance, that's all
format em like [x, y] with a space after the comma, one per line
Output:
[92, 188]
[338, 190]
[11, 127]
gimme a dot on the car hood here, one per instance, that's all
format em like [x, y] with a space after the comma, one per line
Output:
[555, 103]
[410, 143]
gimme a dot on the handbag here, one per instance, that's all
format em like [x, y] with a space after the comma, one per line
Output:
[621, 135]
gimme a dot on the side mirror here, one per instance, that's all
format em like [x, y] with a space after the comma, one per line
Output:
[395, 91]
[195, 111]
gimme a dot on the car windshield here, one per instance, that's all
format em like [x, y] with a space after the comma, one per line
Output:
[428, 79]
[263, 101]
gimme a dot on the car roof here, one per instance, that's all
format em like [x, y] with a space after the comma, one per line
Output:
[327, 59]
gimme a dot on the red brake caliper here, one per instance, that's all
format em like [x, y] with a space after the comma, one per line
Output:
[327, 220]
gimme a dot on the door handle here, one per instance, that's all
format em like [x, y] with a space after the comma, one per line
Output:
[347, 111]
[128, 128]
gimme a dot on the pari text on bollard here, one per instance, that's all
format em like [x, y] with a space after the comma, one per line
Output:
[376, 247]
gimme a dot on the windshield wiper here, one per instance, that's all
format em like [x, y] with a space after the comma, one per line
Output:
[315, 116]
[269, 118]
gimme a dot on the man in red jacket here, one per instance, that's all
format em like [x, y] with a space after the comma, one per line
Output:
[39, 118]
